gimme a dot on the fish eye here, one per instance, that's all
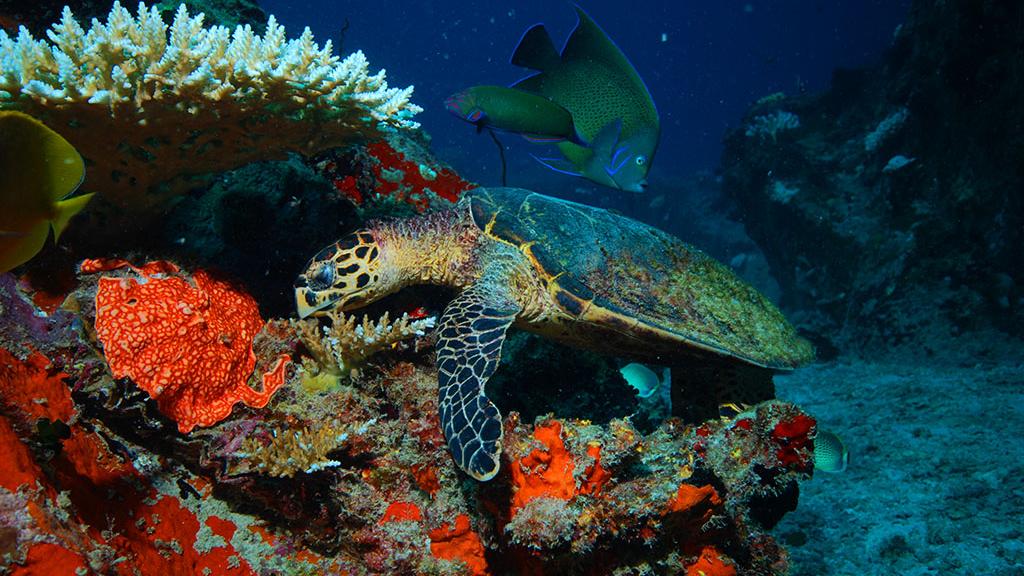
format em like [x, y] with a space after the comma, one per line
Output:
[640, 160]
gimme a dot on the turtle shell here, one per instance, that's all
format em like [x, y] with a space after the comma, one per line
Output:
[605, 268]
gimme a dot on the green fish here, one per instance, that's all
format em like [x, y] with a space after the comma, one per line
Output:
[830, 454]
[536, 118]
[39, 170]
[610, 105]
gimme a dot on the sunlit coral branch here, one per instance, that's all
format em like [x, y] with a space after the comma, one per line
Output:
[147, 104]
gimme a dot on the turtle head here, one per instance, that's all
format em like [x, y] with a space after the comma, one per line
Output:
[348, 274]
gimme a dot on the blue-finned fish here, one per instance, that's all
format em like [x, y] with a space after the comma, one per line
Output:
[39, 170]
[535, 117]
[611, 107]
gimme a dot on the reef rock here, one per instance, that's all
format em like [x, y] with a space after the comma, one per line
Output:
[889, 207]
[345, 471]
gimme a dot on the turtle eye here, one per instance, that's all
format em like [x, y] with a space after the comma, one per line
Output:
[322, 277]
[640, 160]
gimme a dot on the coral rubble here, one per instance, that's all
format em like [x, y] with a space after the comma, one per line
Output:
[150, 105]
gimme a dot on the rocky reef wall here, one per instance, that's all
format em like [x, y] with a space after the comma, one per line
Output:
[890, 206]
[336, 465]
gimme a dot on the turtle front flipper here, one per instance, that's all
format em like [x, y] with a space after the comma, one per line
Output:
[468, 349]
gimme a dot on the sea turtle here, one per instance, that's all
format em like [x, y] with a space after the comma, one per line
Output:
[581, 275]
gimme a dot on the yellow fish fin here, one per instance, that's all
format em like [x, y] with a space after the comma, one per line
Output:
[18, 249]
[65, 210]
[55, 167]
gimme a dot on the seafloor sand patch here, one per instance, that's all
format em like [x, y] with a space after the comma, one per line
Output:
[936, 477]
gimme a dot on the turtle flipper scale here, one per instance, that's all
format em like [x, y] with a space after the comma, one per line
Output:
[468, 350]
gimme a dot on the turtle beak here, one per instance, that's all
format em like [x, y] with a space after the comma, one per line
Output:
[309, 301]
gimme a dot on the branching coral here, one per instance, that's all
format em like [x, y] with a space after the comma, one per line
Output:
[346, 343]
[287, 452]
[148, 105]
[769, 126]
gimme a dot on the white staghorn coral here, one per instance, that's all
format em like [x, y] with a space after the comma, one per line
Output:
[146, 103]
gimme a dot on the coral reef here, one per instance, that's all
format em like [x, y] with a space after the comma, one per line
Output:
[892, 217]
[148, 106]
[39, 15]
[354, 476]
[346, 343]
[395, 176]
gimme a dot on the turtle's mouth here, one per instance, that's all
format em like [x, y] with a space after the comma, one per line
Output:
[310, 302]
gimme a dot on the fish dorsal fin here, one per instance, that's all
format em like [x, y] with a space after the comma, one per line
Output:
[588, 41]
[535, 50]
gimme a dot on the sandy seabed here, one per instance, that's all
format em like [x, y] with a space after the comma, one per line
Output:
[936, 477]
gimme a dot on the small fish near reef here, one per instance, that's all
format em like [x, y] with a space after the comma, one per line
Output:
[534, 117]
[611, 107]
[584, 276]
[830, 454]
[39, 170]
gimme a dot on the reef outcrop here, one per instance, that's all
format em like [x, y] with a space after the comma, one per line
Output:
[150, 106]
[343, 473]
[889, 207]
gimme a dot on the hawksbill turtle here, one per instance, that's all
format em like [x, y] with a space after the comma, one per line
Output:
[580, 275]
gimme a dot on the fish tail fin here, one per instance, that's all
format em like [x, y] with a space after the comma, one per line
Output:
[66, 209]
[535, 50]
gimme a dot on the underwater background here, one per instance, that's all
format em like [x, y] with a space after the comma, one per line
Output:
[704, 64]
[860, 164]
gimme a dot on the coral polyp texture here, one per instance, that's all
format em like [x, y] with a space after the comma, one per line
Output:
[347, 475]
[150, 105]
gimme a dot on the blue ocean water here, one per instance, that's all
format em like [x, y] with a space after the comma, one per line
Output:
[704, 62]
